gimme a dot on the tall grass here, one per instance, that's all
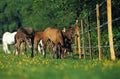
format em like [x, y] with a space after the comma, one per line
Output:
[22, 67]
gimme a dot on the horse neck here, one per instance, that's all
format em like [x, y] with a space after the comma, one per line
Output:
[68, 35]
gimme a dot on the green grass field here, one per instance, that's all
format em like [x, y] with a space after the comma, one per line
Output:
[22, 67]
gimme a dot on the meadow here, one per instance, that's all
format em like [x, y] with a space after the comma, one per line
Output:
[22, 67]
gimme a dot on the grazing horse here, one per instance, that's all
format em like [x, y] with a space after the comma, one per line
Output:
[24, 35]
[54, 38]
[68, 40]
[38, 42]
[8, 39]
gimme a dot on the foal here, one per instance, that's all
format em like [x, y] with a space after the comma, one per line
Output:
[24, 35]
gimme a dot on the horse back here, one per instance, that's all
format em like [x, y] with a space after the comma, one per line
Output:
[8, 37]
[38, 36]
[53, 34]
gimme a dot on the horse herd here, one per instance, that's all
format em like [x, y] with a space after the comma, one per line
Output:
[58, 41]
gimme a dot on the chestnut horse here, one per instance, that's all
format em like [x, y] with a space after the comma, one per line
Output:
[38, 42]
[54, 38]
[24, 35]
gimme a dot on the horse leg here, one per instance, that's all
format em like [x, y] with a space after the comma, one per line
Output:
[39, 48]
[18, 44]
[44, 48]
[25, 49]
[32, 49]
[58, 52]
[36, 48]
[43, 51]
[55, 51]
[15, 50]
[51, 51]
[63, 52]
[5, 48]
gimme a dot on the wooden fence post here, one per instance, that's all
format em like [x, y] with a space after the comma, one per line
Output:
[98, 26]
[110, 36]
[83, 45]
[78, 40]
[75, 44]
[89, 39]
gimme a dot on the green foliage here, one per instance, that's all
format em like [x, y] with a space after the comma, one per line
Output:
[40, 14]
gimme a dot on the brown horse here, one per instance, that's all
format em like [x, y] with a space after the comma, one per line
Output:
[24, 35]
[68, 35]
[54, 38]
[38, 45]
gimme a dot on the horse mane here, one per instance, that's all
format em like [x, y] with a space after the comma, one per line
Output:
[21, 29]
[27, 31]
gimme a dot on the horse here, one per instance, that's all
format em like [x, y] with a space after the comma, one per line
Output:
[8, 39]
[24, 35]
[54, 37]
[38, 42]
[68, 35]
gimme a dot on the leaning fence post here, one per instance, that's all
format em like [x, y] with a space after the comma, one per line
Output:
[83, 45]
[98, 27]
[110, 36]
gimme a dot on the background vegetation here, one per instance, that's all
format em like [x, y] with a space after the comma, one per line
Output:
[40, 14]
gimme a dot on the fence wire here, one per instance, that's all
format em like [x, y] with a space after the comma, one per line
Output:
[105, 44]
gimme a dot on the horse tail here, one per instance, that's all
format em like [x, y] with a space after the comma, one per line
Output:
[60, 38]
[15, 38]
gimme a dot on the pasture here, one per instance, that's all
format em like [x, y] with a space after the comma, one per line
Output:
[22, 67]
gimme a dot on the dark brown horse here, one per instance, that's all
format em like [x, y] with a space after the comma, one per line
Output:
[68, 35]
[38, 45]
[54, 37]
[24, 35]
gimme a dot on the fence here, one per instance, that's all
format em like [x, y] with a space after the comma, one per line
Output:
[102, 26]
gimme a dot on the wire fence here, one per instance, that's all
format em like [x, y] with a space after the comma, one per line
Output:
[103, 31]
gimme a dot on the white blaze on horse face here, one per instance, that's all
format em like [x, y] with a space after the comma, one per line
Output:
[29, 43]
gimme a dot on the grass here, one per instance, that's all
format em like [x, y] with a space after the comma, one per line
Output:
[22, 67]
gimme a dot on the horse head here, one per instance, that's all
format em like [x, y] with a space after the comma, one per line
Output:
[28, 42]
[72, 31]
